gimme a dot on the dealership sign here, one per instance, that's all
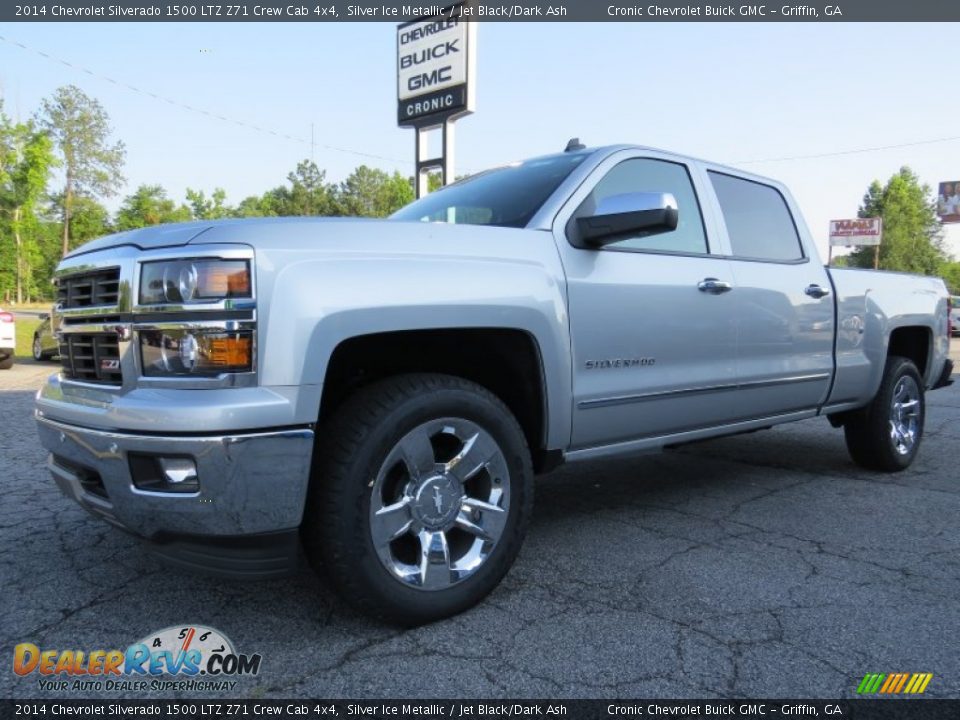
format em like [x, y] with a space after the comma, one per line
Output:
[435, 62]
[855, 232]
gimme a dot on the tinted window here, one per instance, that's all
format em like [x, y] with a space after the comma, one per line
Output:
[758, 221]
[656, 176]
[508, 196]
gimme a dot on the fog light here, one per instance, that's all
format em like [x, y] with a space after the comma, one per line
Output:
[181, 472]
[164, 474]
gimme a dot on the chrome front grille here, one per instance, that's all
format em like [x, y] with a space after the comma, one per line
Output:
[93, 358]
[89, 289]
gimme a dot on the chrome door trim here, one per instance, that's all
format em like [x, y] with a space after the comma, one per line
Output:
[627, 399]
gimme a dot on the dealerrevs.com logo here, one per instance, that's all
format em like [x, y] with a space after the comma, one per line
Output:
[195, 657]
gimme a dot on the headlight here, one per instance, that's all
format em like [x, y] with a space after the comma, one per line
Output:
[195, 352]
[194, 281]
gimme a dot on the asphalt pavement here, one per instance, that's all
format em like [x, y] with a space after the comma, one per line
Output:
[755, 566]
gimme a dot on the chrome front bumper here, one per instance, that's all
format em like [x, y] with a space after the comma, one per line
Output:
[250, 483]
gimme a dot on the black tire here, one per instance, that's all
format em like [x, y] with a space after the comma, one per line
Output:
[6, 363]
[353, 446]
[869, 435]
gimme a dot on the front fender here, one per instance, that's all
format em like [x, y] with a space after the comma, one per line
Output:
[317, 303]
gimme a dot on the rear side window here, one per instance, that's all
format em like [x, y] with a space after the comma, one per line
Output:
[758, 220]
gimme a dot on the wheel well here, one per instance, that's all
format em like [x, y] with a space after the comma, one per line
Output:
[912, 343]
[505, 362]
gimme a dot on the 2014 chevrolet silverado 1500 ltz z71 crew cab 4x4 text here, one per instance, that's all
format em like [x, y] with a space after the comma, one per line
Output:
[380, 393]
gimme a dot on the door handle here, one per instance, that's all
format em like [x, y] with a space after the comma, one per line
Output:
[713, 286]
[816, 291]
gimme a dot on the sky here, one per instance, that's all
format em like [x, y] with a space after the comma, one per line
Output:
[746, 94]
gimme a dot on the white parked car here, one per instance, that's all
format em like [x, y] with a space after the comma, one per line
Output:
[8, 339]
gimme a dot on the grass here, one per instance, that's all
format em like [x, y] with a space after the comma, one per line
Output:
[40, 305]
[25, 329]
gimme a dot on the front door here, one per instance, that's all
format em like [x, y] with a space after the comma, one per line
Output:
[652, 321]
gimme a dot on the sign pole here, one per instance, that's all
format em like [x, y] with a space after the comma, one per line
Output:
[876, 257]
[421, 157]
[448, 146]
[425, 164]
[436, 57]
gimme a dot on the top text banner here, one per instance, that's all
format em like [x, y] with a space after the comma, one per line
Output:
[393, 11]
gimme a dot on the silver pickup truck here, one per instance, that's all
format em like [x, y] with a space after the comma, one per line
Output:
[380, 394]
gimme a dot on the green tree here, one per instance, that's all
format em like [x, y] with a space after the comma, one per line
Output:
[308, 194]
[26, 156]
[369, 192]
[88, 219]
[149, 205]
[213, 208]
[912, 237]
[950, 272]
[256, 206]
[92, 164]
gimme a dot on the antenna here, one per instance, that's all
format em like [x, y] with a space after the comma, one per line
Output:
[574, 144]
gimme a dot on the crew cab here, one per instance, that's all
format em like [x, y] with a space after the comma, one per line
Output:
[380, 393]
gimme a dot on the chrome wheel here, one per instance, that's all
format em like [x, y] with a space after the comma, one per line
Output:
[905, 415]
[439, 503]
[37, 348]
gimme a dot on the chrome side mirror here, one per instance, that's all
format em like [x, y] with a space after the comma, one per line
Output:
[640, 213]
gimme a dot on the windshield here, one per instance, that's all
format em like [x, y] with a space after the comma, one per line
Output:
[509, 196]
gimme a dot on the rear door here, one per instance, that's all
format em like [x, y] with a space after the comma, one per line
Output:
[654, 347]
[783, 308]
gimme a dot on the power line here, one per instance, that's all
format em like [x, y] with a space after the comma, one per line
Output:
[360, 153]
[201, 111]
[851, 152]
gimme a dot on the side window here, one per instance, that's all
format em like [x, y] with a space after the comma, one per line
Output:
[659, 176]
[757, 218]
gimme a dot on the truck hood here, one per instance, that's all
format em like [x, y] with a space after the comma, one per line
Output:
[354, 235]
[149, 238]
[233, 230]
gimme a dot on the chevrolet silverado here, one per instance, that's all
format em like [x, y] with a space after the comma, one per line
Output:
[378, 394]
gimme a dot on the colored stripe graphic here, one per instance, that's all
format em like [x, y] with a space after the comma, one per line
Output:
[894, 684]
[870, 683]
